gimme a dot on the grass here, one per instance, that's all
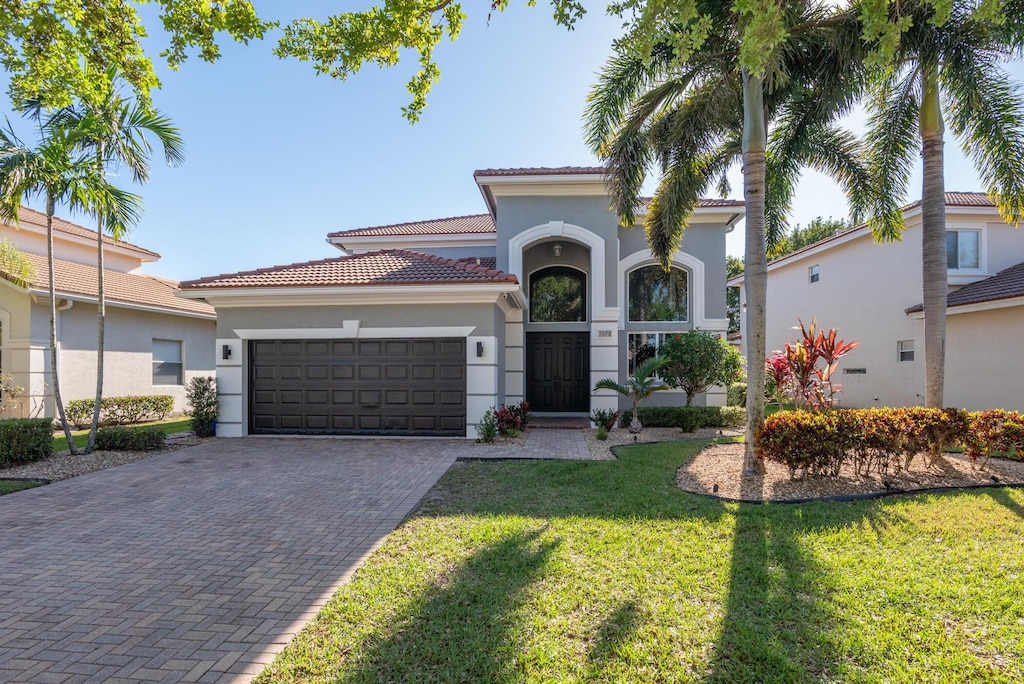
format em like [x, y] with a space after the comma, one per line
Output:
[169, 427]
[604, 571]
[10, 486]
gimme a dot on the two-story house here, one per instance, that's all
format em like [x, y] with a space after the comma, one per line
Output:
[155, 342]
[871, 293]
[419, 328]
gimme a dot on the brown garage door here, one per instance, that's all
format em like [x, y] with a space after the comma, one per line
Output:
[355, 387]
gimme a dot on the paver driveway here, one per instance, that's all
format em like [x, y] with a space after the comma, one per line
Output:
[198, 565]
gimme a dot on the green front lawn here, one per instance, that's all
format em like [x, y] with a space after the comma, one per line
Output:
[9, 486]
[169, 427]
[604, 571]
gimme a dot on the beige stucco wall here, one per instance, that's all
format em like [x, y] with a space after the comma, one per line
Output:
[864, 290]
[32, 239]
[985, 359]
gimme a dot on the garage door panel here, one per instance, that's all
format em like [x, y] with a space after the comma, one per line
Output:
[414, 386]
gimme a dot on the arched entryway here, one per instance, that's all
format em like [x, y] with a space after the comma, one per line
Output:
[557, 353]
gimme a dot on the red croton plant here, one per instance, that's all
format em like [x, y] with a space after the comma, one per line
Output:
[813, 385]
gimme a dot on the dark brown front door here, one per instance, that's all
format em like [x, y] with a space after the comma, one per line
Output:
[558, 371]
[373, 387]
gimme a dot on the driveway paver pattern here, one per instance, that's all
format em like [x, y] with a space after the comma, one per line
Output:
[198, 565]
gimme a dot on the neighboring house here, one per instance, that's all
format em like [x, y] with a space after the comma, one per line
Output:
[421, 327]
[871, 293]
[154, 343]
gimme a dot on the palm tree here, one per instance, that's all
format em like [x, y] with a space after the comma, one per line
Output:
[114, 131]
[49, 171]
[698, 118]
[953, 66]
[640, 385]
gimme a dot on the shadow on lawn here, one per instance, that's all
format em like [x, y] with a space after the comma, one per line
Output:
[1003, 497]
[460, 629]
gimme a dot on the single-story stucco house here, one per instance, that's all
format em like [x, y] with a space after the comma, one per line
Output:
[871, 293]
[155, 342]
[419, 328]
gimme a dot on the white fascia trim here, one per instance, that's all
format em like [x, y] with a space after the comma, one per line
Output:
[561, 229]
[373, 294]
[91, 242]
[916, 211]
[352, 330]
[541, 179]
[412, 242]
[124, 305]
[684, 260]
[979, 306]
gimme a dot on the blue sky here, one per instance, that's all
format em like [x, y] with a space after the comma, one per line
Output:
[277, 157]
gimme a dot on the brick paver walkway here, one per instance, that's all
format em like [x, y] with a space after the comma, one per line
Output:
[198, 565]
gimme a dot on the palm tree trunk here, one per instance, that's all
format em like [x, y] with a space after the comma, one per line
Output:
[101, 313]
[755, 278]
[933, 238]
[55, 381]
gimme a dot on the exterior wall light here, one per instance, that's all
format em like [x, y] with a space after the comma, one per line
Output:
[558, 250]
[479, 349]
[225, 351]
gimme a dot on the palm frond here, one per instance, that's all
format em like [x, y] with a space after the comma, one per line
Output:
[892, 150]
[15, 265]
[987, 115]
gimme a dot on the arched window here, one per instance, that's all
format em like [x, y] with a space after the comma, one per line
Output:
[657, 295]
[558, 294]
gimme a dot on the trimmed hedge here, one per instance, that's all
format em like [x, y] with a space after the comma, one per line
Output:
[24, 440]
[817, 443]
[120, 410]
[687, 418]
[118, 438]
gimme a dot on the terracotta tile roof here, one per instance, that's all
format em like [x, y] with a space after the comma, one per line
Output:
[476, 223]
[707, 202]
[1006, 284]
[486, 262]
[127, 288]
[961, 199]
[384, 267]
[543, 171]
[38, 218]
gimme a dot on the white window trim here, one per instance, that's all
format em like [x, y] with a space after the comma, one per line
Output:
[599, 310]
[695, 266]
[900, 350]
[689, 295]
[812, 271]
[981, 229]
[587, 289]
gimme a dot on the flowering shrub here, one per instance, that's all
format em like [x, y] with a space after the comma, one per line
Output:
[871, 440]
[780, 378]
[512, 418]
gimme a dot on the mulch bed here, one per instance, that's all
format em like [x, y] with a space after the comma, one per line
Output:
[722, 465]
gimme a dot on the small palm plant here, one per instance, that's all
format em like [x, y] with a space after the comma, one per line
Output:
[642, 384]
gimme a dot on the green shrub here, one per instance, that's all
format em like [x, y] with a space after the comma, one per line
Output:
[201, 394]
[79, 412]
[487, 428]
[872, 440]
[121, 438]
[605, 418]
[736, 394]
[119, 410]
[23, 440]
[602, 433]
[687, 418]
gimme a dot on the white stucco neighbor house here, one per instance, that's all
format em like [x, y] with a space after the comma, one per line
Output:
[871, 293]
[155, 342]
[419, 328]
